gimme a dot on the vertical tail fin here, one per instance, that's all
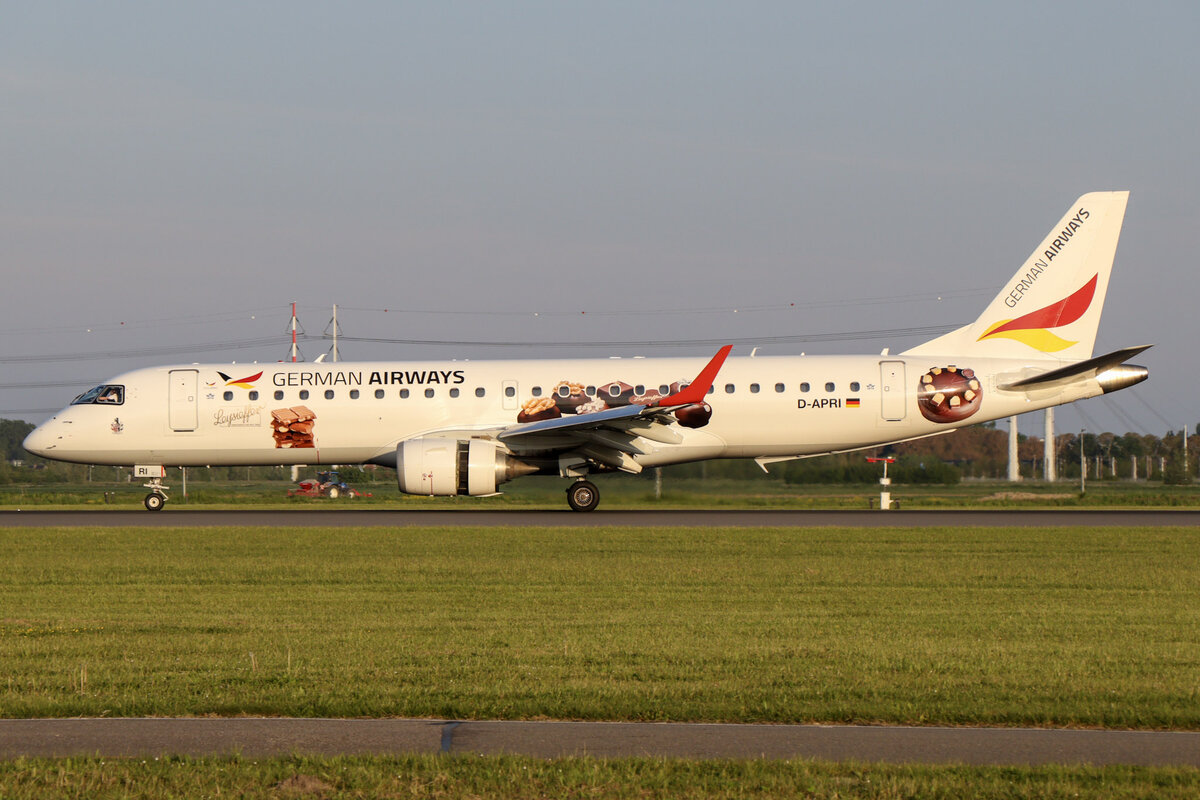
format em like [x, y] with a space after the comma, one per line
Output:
[1051, 307]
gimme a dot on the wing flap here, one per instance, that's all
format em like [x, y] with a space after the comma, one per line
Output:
[611, 457]
[579, 422]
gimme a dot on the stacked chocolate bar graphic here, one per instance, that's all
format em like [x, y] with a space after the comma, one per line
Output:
[293, 426]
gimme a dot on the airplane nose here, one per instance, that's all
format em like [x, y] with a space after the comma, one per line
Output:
[41, 441]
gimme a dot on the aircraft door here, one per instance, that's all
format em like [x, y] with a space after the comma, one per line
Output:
[892, 403]
[182, 401]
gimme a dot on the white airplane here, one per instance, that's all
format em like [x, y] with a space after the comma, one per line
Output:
[451, 428]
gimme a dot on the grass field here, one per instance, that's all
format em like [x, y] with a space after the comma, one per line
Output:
[622, 491]
[442, 777]
[941, 626]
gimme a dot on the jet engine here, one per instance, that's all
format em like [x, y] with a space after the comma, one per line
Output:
[447, 467]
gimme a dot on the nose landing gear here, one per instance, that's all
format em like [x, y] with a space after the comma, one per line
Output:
[157, 497]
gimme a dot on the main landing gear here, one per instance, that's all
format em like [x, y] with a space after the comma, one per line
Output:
[157, 497]
[583, 496]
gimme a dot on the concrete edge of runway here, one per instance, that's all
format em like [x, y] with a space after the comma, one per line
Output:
[262, 737]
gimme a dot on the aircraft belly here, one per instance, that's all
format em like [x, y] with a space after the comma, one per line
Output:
[801, 430]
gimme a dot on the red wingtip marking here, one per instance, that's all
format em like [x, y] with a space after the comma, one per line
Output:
[697, 389]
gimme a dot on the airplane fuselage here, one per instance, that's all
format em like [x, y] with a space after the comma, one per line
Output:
[196, 415]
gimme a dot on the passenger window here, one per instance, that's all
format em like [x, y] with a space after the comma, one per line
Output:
[804, 387]
[712, 389]
[729, 388]
[664, 390]
[254, 395]
[404, 394]
[304, 394]
[639, 389]
[510, 391]
[454, 392]
[429, 392]
[379, 394]
[829, 387]
[354, 394]
[329, 394]
[779, 387]
[754, 388]
[228, 396]
[854, 386]
[480, 391]
[278, 394]
[590, 391]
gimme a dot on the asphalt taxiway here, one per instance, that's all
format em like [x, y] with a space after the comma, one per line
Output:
[265, 737]
[299, 518]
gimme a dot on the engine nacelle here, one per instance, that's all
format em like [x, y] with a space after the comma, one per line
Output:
[448, 467]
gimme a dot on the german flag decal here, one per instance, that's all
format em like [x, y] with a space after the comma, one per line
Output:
[851, 402]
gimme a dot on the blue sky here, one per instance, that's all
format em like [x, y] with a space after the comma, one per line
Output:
[189, 170]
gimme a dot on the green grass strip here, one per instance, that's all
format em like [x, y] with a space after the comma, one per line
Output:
[619, 492]
[1056, 627]
[510, 777]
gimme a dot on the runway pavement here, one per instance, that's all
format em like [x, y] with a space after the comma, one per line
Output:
[299, 518]
[264, 737]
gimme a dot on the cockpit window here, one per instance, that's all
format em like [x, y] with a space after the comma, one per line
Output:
[105, 395]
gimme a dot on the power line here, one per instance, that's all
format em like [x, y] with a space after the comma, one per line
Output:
[1088, 421]
[233, 344]
[242, 344]
[1143, 401]
[185, 319]
[1122, 417]
[845, 336]
[233, 315]
[659, 312]
[46, 385]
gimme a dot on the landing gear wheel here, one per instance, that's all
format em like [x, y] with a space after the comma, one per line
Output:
[583, 496]
[155, 501]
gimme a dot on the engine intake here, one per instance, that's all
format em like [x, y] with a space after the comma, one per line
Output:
[448, 467]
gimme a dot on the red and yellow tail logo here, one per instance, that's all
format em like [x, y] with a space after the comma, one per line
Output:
[242, 383]
[1033, 328]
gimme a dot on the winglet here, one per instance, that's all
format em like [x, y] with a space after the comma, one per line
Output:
[695, 391]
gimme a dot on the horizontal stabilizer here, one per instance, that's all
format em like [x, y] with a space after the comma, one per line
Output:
[1089, 368]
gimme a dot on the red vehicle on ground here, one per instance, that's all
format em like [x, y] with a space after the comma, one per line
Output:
[326, 484]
